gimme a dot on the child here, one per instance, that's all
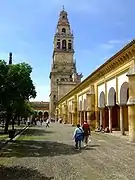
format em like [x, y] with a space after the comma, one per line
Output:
[78, 136]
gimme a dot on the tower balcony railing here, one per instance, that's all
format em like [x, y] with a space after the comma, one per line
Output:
[64, 34]
[62, 50]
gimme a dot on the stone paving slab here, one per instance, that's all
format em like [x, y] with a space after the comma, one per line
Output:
[53, 157]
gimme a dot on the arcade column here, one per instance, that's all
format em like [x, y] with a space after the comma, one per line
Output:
[66, 114]
[101, 117]
[122, 120]
[110, 118]
[75, 113]
[80, 117]
[88, 117]
[131, 104]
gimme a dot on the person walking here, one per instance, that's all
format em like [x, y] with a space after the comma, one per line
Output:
[87, 132]
[47, 122]
[28, 121]
[78, 136]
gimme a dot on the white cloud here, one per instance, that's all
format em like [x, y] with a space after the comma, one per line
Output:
[106, 46]
[115, 41]
[112, 43]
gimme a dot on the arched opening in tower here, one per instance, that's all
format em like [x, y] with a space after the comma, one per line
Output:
[69, 44]
[63, 30]
[64, 44]
[58, 45]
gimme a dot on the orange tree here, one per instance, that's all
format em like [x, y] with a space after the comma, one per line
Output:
[16, 87]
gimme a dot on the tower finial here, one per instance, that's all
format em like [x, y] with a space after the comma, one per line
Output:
[63, 7]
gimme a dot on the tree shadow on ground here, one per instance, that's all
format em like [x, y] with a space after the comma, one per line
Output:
[36, 132]
[21, 173]
[24, 148]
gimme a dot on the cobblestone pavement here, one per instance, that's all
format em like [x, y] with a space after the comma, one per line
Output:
[48, 153]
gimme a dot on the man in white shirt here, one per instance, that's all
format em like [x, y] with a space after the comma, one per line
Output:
[47, 122]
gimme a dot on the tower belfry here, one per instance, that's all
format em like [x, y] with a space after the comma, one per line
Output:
[63, 75]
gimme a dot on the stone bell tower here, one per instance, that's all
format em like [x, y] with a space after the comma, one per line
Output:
[63, 75]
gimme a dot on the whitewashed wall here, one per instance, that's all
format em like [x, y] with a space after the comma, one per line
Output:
[80, 98]
[69, 106]
[121, 79]
[100, 89]
[84, 99]
[110, 84]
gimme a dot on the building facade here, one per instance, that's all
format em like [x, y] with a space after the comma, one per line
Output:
[106, 97]
[40, 106]
[63, 75]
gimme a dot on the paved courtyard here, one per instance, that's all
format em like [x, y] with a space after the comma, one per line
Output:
[45, 154]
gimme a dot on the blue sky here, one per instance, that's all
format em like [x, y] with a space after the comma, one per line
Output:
[27, 27]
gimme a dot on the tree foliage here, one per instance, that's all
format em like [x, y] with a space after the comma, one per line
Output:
[16, 88]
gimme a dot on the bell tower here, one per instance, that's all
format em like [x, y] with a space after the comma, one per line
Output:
[63, 40]
[63, 75]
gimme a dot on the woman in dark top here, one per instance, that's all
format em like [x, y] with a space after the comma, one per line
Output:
[87, 132]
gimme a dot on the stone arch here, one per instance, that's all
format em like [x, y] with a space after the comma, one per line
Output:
[69, 44]
[46, 114]
[40, 114]
[58, 44]
[64, 44]
[111, 97]
[63, 30]
[114, 111]
[124, 93]
[102, 100]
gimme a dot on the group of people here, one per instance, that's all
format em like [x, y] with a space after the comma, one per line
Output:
[81, 134]
[101, 129]
[47, 122]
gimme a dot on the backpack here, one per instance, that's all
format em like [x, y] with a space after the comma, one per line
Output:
[81, 137]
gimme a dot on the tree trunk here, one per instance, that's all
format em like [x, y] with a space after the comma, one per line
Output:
[18, 120]
[6, 125]
[13, 123]
[7, 121]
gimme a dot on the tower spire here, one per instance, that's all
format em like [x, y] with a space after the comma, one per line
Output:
[63, 18]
